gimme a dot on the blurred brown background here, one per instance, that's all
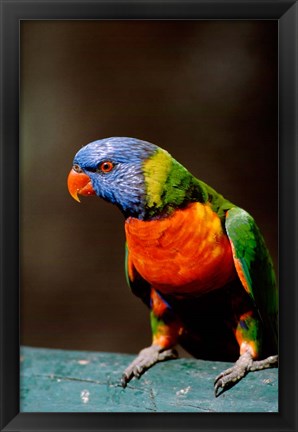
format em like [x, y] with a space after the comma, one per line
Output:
[204, 90]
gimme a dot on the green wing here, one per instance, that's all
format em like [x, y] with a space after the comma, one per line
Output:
[253, 264]
[137, 284]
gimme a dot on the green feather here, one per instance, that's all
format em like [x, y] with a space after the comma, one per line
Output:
[252, 254]
[169, 186]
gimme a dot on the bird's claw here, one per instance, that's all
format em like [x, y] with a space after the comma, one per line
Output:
[146, 358]
[228, 378]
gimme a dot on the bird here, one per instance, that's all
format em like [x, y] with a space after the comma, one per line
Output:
[195, 259]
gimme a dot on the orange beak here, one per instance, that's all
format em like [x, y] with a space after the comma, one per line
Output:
[79, 184]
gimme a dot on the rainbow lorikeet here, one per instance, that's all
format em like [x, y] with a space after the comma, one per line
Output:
[196, 260]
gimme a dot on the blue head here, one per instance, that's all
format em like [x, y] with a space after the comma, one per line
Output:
[114, 170]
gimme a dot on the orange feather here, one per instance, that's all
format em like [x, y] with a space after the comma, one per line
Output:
[186, 252]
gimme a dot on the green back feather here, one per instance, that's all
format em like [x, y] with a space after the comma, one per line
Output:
[169, 186]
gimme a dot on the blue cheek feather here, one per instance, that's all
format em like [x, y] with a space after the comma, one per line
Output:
[124, 186]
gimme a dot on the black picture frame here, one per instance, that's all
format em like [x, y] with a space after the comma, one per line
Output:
[12, 12]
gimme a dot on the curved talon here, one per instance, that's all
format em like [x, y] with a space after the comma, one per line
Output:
[219, 386]
[223, 374]
[124, 380]
[245, 364]
[228, 381]
[146, 358]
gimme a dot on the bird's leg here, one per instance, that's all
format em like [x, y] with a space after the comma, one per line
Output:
[248, 335]
[165, 330]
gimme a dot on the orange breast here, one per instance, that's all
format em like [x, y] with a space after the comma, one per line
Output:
[187, 252]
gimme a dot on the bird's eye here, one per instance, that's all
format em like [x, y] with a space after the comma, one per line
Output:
[106, 166]
[77, 168]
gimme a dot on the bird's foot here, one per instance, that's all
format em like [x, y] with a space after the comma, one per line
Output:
[146, 358]
[243, 365]
[269, 362]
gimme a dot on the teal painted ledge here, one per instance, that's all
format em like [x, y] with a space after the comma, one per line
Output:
[78, 381]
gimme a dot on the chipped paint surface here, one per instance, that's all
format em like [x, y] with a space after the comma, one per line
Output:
[85, 394]
[183, 391]
[83, 362]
